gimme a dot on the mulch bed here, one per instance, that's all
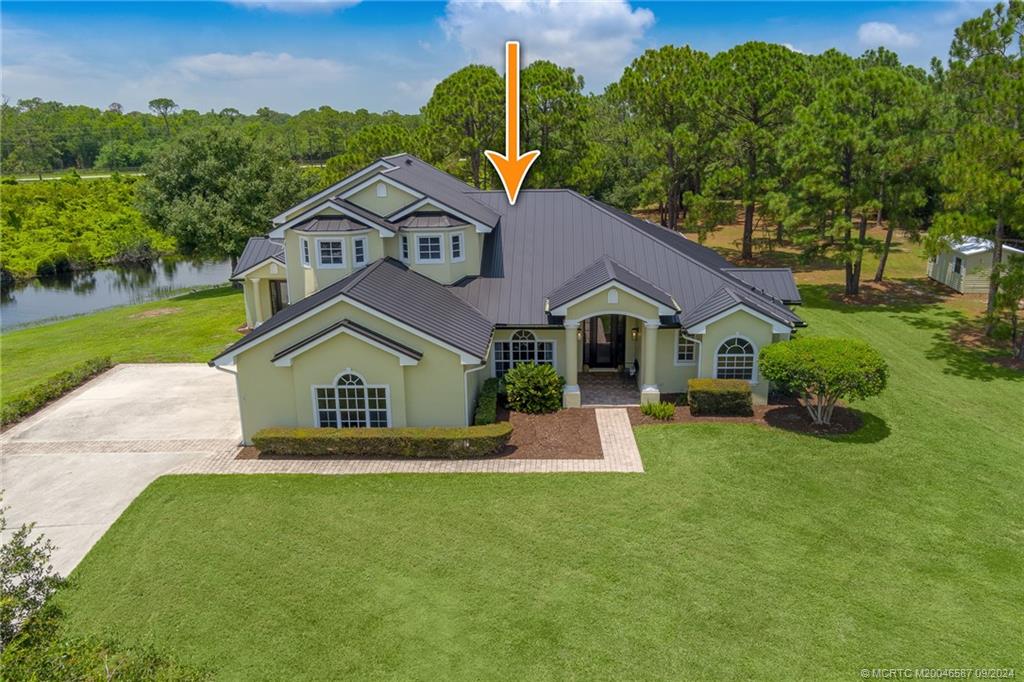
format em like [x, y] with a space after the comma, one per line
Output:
[971, 334]
[567, 434]
[788, 417]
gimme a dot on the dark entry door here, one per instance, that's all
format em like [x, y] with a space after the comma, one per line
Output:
[278, 295]
[604, 343]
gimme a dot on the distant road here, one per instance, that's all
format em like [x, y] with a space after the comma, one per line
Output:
[86, 175]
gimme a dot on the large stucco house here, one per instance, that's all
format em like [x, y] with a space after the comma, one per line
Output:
[388, 298]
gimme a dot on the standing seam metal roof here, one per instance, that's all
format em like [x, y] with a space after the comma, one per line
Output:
[258, 250]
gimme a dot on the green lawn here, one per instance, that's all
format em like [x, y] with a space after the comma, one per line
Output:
[190, 328]
[741, 553]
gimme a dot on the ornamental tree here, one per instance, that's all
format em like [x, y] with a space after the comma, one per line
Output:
[824, 371]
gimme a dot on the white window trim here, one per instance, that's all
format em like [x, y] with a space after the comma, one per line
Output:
[462, 246]
[387, 397]
[494, 350]
[416, 250]
[304, 254]
[331, 266]
[366, 252]
[696, 351]
[403, 248]
[753, 381]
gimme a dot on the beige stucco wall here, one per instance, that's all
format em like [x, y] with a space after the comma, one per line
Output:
[448, 271]
[432, 392]
[303, 281]
[383, 206]
[599, 304]
[260, 277]
[739, 323]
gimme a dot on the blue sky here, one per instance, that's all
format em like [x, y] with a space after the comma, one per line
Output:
[389, 55]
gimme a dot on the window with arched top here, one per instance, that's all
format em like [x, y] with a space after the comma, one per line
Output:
[522, 347]
[351, 402]
[735, 359]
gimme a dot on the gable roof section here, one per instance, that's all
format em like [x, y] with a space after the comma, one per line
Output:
[442, 187]
[776, 282]
[549, 233]
[406, 355]
[729, 297]
[601, 272]
[379, 164]
[389, 288]
[257, 251]
[970, 246]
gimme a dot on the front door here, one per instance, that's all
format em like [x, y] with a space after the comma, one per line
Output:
[604, 341]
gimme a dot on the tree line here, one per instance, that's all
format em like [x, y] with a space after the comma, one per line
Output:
[810, 150]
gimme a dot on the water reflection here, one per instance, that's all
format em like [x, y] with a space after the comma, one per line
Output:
[82, 292]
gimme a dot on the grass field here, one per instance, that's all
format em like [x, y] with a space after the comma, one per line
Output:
[742, 552]
[190, 328]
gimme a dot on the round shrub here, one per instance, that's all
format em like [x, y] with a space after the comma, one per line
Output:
[824, 370]
[534, 389]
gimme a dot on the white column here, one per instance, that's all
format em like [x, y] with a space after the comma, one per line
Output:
[649, 392]
[257, 302]
[571, 392]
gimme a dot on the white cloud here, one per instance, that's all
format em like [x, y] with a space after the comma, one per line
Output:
[296, 6]
[793, 48]
[256, 65]
[876, 33]
[596, 38]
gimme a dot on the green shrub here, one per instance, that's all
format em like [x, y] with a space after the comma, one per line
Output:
[534, 389]
[487, 403]
[32, 399]
[824, 370]
[721, 397]
[447, 442]
[663, 411]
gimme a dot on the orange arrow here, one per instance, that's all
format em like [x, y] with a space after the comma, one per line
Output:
[511, 166]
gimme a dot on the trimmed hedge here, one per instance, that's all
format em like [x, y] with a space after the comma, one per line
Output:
[487, 403]
[719, 397]
[663, 411]
[441, 442]
[32, 399]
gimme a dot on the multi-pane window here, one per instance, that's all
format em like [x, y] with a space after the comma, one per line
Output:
[735, 360]
[331, 252]
[686, 349]
[428, 249]
[522, 348]
[305, 251]
[405, 247]
[359, 250]
[457, 253]
[351, 403]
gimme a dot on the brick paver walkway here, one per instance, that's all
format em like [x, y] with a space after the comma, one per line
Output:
[617, 442]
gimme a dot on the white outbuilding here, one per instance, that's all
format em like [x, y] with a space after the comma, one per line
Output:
[966, 264]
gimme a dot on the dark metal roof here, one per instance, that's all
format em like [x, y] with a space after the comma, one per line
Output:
[440, 186]
[551, 233]
[602, 271]
[391, 288]
[730, 296]
[776, 282]
[258, 250]
[429, 219]
[336, 223]
[358, 329]
[369, 216]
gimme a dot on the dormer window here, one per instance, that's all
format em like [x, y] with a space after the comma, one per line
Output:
[331, 252]
[382, 190]
[359, 251]
[429, 248]
[305, 252]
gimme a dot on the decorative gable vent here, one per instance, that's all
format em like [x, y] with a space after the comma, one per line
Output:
[613, 296]
[382, 190]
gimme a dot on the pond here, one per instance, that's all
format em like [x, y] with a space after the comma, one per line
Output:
[86, 292]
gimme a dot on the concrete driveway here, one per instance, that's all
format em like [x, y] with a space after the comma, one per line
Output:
[73, 467]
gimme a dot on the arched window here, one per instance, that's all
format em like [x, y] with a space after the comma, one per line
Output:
[351, 403]
[522, 348]
[735, 359]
